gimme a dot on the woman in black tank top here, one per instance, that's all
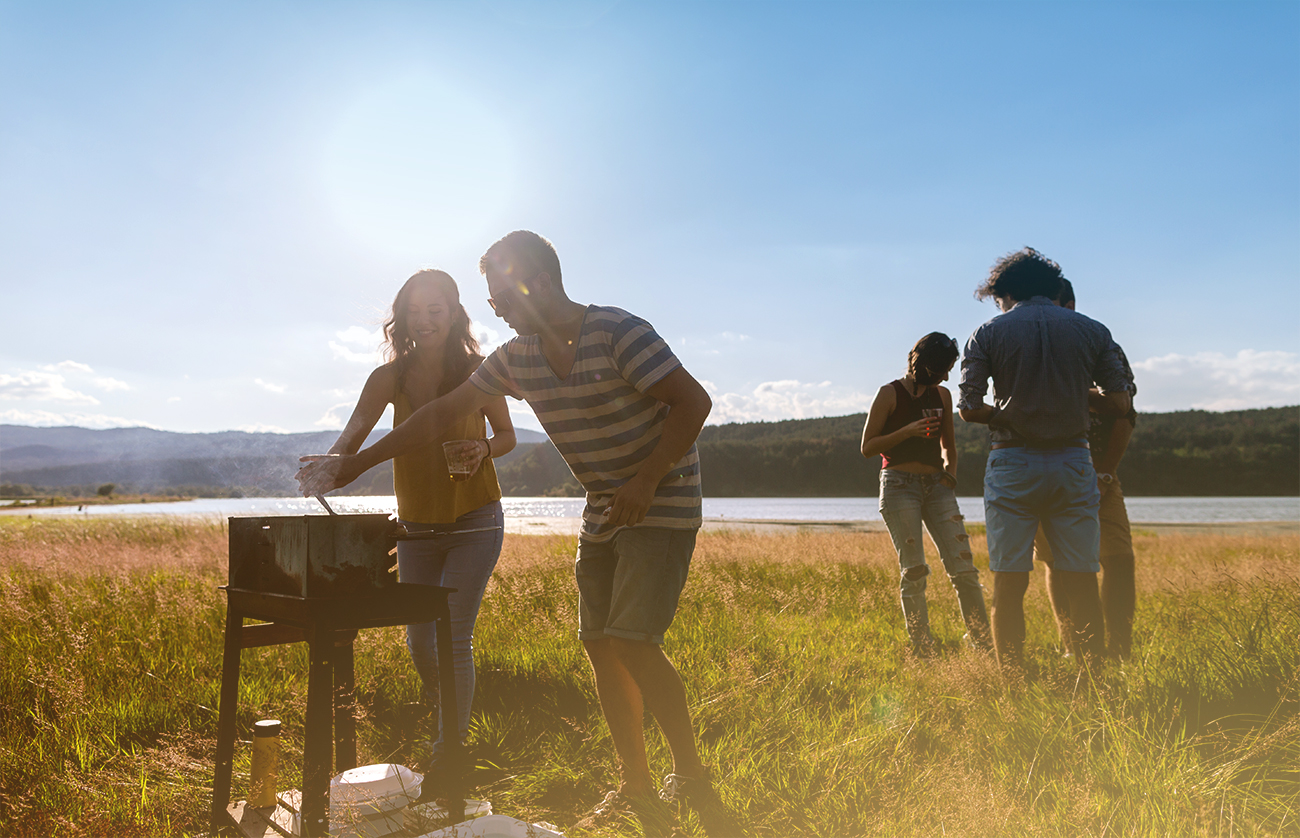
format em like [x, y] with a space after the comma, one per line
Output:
[910, 426]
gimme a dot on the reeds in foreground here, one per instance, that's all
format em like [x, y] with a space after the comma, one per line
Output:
[792, 648]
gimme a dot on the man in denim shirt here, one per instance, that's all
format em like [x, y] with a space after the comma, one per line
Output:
[1043, 360]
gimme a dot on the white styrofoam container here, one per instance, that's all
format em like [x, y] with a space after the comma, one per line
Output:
[496, 826]
[422, 817]
[371, 789]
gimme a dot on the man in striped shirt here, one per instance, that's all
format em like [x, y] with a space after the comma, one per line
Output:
[624, 413]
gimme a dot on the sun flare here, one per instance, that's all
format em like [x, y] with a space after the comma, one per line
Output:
[416, 165]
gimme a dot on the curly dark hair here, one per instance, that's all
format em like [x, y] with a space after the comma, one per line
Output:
[1021, 275]
[462, 353]
[526, 251]
[932, 356]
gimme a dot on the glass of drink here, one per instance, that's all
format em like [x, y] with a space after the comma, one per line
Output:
[932, 413]
[460, 454]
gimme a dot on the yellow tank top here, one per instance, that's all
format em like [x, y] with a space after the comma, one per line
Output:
[425, 492]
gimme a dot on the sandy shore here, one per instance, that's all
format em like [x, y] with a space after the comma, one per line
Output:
[571, 526]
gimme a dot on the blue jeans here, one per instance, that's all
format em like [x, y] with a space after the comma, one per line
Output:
[1056, 487]
[464, 562]
[906, 502]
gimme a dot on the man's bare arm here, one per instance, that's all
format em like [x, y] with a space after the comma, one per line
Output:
[981, 415]
[1116, 444]
[689, 406]
[1115, 403]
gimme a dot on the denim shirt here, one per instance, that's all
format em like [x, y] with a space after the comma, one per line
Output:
[1043, 359]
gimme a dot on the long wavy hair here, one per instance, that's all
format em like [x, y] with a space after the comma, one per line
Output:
[931, 358]
[462, 353]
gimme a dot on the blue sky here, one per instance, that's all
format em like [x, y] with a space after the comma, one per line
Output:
[206, 208]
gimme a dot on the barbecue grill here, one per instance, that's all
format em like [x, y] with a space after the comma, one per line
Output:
[319, 579]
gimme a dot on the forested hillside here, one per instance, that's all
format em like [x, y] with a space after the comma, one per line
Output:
[1246, 452]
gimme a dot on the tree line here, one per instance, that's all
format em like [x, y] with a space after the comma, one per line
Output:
[1185, 453]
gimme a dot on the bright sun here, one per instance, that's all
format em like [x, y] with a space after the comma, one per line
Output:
[415, 165]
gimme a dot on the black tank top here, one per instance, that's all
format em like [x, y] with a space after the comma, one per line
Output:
[914, 449]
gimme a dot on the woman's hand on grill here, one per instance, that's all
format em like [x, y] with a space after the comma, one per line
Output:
[323, 473]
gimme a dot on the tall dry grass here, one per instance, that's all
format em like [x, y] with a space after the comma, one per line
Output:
[794, 655]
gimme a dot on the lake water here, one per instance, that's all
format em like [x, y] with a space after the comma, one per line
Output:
[1143, 510]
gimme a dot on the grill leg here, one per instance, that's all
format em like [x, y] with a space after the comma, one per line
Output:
[228, 710]
[453, 748]
[318, 745]
[345, 722]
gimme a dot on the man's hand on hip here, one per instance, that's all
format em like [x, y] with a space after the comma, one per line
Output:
[631, 502]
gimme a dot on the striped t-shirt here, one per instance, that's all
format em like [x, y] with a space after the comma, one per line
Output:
[600, 417]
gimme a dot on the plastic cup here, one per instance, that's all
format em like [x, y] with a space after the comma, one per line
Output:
[932, 413]
[460, 458]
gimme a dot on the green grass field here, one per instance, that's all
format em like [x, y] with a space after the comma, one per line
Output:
[792, 649]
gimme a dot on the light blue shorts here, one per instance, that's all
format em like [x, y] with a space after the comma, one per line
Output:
[629, 586]
[1054, 486]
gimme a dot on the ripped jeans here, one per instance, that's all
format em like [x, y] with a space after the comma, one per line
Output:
[906, 501]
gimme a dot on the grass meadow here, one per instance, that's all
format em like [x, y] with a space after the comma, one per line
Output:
[792, 648]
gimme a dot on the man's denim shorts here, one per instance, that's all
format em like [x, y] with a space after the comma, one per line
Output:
[629, 586]
[1057, 486]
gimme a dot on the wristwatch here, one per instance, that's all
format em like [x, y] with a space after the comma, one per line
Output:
[1106, 478]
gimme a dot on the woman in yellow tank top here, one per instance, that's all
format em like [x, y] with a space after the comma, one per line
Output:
[430, 350]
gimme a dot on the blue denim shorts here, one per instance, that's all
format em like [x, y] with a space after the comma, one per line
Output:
[1054, 486]
[629, 586]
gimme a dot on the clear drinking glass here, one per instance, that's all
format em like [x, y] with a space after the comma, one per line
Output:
[460, 457]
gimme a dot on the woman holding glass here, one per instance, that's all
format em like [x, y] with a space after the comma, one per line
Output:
[430, 350]
[910, 427]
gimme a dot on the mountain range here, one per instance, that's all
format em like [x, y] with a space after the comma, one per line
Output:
[1183, 453]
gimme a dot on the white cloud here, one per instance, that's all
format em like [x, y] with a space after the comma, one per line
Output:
[344, 353]
[333, 419]
[110, 384]
[46, 419]
[268, 386]
[260, 428]
[358, 345]
[67, 366]
[488, 338]
[174, 398]
[361, 337]
[1214, 381]
[41, 386]
[49, 382]
[775, 400]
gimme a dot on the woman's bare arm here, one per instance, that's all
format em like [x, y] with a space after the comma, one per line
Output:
[375, 397]
[324, 474]
[881, 409]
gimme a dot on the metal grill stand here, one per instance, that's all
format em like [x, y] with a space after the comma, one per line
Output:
[260, 554]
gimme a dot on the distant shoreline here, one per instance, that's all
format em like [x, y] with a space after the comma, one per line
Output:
[572, 526]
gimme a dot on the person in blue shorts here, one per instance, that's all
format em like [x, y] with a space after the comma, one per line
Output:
[624, 413]
[1043, 359]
